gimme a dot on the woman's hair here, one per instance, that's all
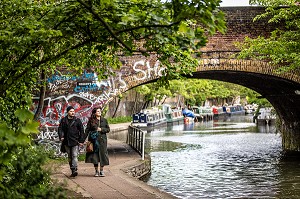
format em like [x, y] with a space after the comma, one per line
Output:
[93, 115]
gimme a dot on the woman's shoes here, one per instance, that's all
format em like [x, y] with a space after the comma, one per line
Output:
[99, 174]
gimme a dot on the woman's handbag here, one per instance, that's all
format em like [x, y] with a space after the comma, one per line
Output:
[89, 147]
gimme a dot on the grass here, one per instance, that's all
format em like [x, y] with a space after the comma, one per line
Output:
[121, 119]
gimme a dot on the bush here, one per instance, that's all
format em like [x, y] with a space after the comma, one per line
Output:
[24, 176]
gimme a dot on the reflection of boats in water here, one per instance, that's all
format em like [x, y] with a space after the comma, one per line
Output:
[188, 126]
[264, 116]
[172, 114]
[266, 128]
[148, 118]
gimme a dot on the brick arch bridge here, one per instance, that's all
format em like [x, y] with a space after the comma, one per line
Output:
[282, 90]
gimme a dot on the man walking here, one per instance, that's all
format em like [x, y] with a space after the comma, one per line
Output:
[71, 134]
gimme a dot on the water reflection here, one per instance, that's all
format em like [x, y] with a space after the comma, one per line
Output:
[228, 158]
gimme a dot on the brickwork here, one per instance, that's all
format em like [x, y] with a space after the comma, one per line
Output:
[239, 25]
[217, 62]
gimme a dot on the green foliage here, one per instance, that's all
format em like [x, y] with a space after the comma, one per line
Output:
[254, 98]
[24, 177]
[117, 120]
[196, 91]
[282, 48]
[39, 35]
[13, 138]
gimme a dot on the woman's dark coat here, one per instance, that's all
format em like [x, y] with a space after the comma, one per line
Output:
[102, 155]
[72, 131]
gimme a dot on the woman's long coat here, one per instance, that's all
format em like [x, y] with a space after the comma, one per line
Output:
[102, 155]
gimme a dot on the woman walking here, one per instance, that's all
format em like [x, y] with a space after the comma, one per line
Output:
[96, 129]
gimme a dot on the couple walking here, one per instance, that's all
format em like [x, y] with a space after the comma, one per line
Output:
[72, 135]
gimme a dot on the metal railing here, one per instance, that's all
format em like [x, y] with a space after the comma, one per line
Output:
[136, 139]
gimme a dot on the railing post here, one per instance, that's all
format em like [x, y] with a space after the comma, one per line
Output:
[136, 139]
[143, 146]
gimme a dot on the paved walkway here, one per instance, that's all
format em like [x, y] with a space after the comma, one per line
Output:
[116, 184]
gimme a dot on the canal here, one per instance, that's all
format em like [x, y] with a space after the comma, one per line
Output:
[228, 158]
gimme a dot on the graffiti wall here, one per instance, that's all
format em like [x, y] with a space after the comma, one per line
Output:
[86, 91]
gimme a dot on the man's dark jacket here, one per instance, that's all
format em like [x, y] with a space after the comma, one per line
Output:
[72, 131]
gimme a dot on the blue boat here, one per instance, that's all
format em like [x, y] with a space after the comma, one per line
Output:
[235, 109]
[189, 116]
[148, 118]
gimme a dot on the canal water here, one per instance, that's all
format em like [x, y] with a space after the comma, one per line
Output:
[226, 158]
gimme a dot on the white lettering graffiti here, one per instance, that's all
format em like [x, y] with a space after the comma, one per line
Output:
[87, 95]
[156, 71]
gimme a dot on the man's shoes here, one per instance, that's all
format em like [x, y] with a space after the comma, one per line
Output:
[74, 174]
[102, 174]
[96, 174]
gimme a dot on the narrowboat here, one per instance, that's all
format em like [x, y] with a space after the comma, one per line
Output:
[265, 116]
[172, 115]
[149, 118]
[219, 112]
[235, 109]
[203, 113]
[189, 116]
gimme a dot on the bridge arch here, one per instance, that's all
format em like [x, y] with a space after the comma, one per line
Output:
[217, 62]
[282, 90]
[87, 92]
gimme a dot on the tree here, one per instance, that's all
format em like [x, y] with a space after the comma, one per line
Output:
[282, 48]
[37, 36]
[255, 98]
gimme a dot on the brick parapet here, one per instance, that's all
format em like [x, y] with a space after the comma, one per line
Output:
[240, 24]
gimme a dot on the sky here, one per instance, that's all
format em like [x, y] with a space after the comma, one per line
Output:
[229, 3]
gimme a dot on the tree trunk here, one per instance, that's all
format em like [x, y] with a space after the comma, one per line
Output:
[135, 102]
[42, 96]
[164, 100]
[146, 104]
[118, 104]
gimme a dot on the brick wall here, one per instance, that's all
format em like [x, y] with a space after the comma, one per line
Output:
[239, 25]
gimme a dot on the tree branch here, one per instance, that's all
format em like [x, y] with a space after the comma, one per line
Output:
[45, 61]
[110, 30]
[148, 26]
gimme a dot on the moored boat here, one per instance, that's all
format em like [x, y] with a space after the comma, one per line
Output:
[172, 114]
[249, 109]
[203, 113]
[189, 116]
[235, 109]
[265, 116]
[219, 112]
[148, 118]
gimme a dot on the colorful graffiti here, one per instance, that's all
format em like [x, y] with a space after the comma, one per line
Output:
[84, 93]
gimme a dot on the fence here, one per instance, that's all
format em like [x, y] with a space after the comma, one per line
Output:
[136, 139]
